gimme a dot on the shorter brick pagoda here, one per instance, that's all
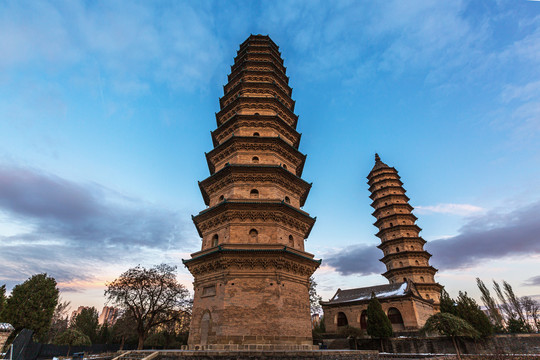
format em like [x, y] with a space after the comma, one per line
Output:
[413, 294]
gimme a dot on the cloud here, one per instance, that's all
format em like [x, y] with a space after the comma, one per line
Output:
[72, 229]
[172, 44]
[454, 209]
[533, 281]
[490, 236]
[362, 260]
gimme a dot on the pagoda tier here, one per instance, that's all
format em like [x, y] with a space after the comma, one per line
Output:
[264, 125]
[223, 185]
[252, 273]
[256, 150]
[403, 248]
[257, 89]
[256, 105]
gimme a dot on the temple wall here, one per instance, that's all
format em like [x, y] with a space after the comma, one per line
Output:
[413, 312]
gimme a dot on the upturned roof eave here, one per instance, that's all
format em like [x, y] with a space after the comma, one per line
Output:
[268, 100]
[253, 139]
[226, 170]
[239, 117]
[400, 239]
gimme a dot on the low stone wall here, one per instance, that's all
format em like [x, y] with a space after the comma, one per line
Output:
[268, 355]
[498, 344]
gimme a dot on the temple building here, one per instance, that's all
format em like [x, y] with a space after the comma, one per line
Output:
[251, 276]
[412, 294]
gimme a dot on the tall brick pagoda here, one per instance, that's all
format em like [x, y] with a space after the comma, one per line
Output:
[402, 246]
[252, 273]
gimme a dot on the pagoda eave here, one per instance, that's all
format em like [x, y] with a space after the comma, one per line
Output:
[410, 269]
[386, 197]
[276, 144]
[388, 188]
[382, 219]
[254, 103]
[405, 254]
[378, 173]
[390, 206]
[263, 208]
[245, 85]
[398, 227]
[285, 178]
[274, 121]
[373, 188]
[399, 240]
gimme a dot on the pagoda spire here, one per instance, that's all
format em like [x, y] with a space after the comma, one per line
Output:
[403, 248]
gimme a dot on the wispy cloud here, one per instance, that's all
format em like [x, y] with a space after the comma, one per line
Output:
[174, 45]
[489, 236]
[453, 209]
[533, 281]
[71, 227]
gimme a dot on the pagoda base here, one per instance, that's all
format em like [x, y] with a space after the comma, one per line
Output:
[254, 354]
[251, 295]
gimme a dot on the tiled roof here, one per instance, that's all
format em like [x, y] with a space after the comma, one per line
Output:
[6, 327]
[360, 294]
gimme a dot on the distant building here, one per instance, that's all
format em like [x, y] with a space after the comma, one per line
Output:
[108, 315]
[413, 294]
[74, 313]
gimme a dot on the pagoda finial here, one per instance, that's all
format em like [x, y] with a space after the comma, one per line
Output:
[377, 158]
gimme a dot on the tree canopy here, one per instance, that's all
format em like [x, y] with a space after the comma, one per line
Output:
[31, 305]
[378, 324]
[149, 295]
[468, 310]
[87, 323]
[72, 337]
[3, 300]
[449, 325]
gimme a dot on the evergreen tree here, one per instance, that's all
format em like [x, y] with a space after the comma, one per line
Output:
[468, 310]
[378, 324]
[3, 300]
[448, 305]
[516, 326]
[449, 325]
[72, 337]
[87, 323]
[104, 336]
[351, 332]
[31, 305]
[124, 330]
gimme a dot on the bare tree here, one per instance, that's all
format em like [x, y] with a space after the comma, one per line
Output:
[491, 305]
[513, 301]
[531, 309]
[149, 295]
[506, 308]
[314, 298]
[59, 322]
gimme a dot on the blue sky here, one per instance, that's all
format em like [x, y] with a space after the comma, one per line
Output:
[106, 110]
